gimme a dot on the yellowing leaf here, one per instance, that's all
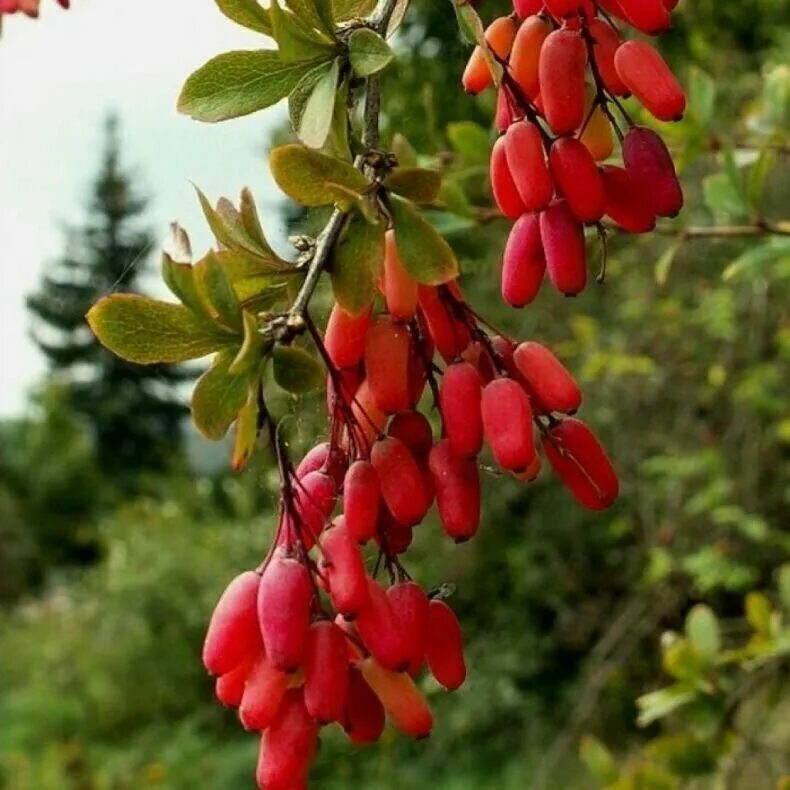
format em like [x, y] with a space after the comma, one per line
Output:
[217, 398]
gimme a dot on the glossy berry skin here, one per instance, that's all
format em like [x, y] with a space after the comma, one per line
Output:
[387, 355]
[607, 41]
[450, 340]
[285, 599]
[646, 74]
[361, 500]
[402, 700]
[233, 636]
[549, 381]
[365, 717]
[652, 171]
[314, 501]
[400, 288]
[402, 487]
[503, 186]
[625, 204]
[564, 247]
[578, 179]
[345, 336]
[523, 262]
[326, 672]
[344, 568]
[499, 37]
[526, 161]
[414, 430]
[411, 609]
[230, 686]
[560, 9]
[288, 746]
[380, 630]
[444, 647]
[260, 702]
[507, 417]
[525, 8]
[563, 60]
[456, 481]
[649, 16]
[459, 403]
[525, 54]
[577, 457]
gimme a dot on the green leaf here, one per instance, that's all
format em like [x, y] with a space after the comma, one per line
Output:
[702, 96]
[755, 259]
[357, 264]
[312, 104]
[344, 10]
[297, 371]
[784, 586]
[248, 13]
[683, 661]
[470, 140]
[702, 630]
[454, 198]
[298, 41]
[251, 352]
[368, 52]
[246, 431]
[147, 331]
[759, 613]
[217, 398]
[598, 759]
[404, 151]
[180, 279]
[240, 264]
[758, 175]
[424, 253]
[337, 141]
[414, 183]
[658, 704]
[317, 13]
[724, 197]
[217, 291]
[315, 179]
[239, 83]
[250, 222]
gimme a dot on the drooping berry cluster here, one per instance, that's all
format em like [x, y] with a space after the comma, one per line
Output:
[566, 69]
[28, 7]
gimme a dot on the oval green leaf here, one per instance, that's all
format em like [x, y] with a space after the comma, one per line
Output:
[357, 263]
[218, 397]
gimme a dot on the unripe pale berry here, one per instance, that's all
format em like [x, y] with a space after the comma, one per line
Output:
[262, 695]
[387, 355]
[578, 179]
[444, 647]
[549, 381]
[361, 500]
[597, 136]
[326, 673]
[411, 609]
[507, 418]
[233, 636]
[646, 74]
[526, 161]
[581, 463]
[365, 717]
[345, 336]
[456, 481]
[459, 403]
[526, 54]
[400, 288]
[564, 247]
[285, 599]
[344, 569]
[503, 186]
[652, 170]
[563, 60]
[402, 487]
[380, 630]
[626, 205]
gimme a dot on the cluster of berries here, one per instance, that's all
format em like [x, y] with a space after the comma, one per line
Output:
[565, 71]
[27, 7]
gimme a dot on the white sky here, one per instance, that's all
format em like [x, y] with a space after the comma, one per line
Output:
[59, 76]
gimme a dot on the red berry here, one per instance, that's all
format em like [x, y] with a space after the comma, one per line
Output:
[380, 630]
[402, 487]
[548, 380]
[504, 110]
[526, 161]
[285, 599]
[581, 463]
[326, 673]
[563, 60]
[365, 716]
[262, 695]
[230, 686]
[345, 569]
[387, 355]
[652, 171]
[456, 481]
[564, 247]
[648, 16]
[450, 338]
[526, 54]
[391, 536]
[411, 609]
[578, 179]
[400, 288]
[607, 40]
[503, 186]
[345, 336]
[444, 648]
[499, 37]
[315, 496]
[459, 403]
[361, 500]
[626, 205]
[414, 430]
[560, 9]
[233, 636]
[507, 417]
[525, 8]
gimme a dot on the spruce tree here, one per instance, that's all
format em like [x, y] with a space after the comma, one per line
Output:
[133, 412]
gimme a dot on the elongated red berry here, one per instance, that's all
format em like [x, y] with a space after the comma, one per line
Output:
[548, 380]
[652, 171]
[648, 16]
[578, 179]
[326, 673]
[392, 536]
[400, 288]
[459, 403]
[387, 354]
[507, 418]
[563, 245]
[402, 700]
[505, 114]
[260, 702]
[456, 481]
[361, 500]
[365, 717]
[449, 337]
[560, 9]
[402, 487]
[345, 336]
[414, 430]
[369, 417]
[607, 40]
[526, 161]
[288, 746]
[315, 497]
[380, 630]
[525, 8]
[526, 53]
[563, 60]
[626, 205]
[581, 463]
[285, 599]
[503, 186]
[230, 686]
[344, 568]
[499, 37]
[523, 263]
[233, 636]
[411, 609]
[444, 647]
[646, 74]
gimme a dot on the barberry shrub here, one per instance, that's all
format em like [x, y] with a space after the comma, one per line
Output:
[329, 627]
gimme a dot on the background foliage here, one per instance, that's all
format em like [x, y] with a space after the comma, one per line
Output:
[684, 356]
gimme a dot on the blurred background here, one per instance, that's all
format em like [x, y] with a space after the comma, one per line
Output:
[641, 648]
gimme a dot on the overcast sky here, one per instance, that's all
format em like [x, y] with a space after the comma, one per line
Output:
[59, 77]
